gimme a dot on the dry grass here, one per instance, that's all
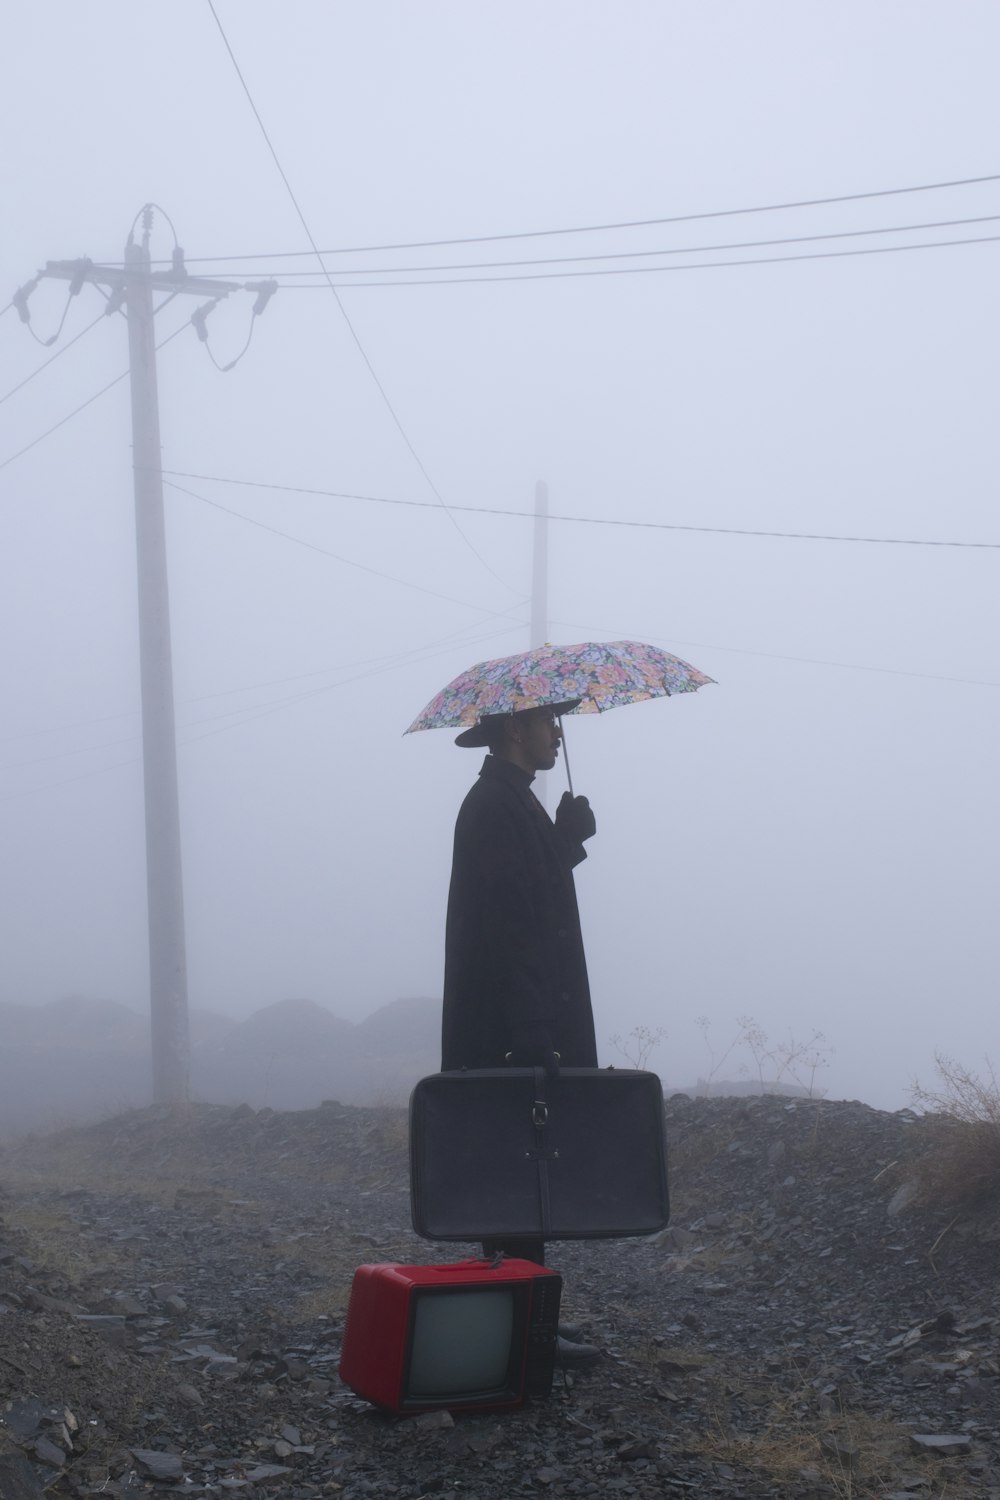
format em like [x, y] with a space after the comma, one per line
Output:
[847, 1454]
[961, 1167]
[776, 1431]
[56, 1246]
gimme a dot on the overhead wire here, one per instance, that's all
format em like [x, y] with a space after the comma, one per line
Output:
[199, 320]
[689, 218]
[52, 357]
[21, 302]
[326, 552]
[708, 265]
[40, 760]
[32, 734]
[248, 712]
[472, 632]
[487, 510]
[794, 239]
[254, 712]
[343, 311]
[439, 646]
[811, 661]
[90, 399]
[63, 420]
[257, 712]
[51, 786]
[224, 369]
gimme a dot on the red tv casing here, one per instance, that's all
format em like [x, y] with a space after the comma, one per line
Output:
[378, 1336]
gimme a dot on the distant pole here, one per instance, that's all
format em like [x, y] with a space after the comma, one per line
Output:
[539, 626]
[165, 895]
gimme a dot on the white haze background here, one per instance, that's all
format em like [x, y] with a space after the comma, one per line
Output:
[813, 841]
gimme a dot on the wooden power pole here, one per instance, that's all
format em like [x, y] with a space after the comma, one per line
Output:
[132, 289]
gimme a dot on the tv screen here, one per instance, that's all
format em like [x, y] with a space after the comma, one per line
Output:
[461, 1342]
[475, 1334]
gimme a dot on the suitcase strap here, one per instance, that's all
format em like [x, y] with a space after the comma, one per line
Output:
[541, 1152]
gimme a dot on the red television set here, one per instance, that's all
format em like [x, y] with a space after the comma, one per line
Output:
[479, 1334]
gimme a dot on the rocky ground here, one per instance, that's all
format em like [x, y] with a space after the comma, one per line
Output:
[172, 1296]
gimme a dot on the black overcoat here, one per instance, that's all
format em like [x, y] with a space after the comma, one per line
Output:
[515, 971]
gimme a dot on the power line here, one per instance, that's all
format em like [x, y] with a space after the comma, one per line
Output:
[552, 260]
[325, 551]
[264, 711]
[58, 354]
[343, 311]
[708, 265]
[472, 633]
[32, 734]
[486, 510]
[63, 420]
[252, 712]
[84, 404]
[118, 765]
[527, 234]
[813, 661]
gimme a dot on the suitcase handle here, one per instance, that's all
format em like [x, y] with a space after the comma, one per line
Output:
[539, 1119]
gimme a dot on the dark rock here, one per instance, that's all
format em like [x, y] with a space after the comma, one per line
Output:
[24, 1419]
[158, 1465]
[432, 1421]
[269, 1474]
[49, 1454]
[121, 1305]
[638, 1448]
[18, 1480]
[162, 1291]
[941, 1445]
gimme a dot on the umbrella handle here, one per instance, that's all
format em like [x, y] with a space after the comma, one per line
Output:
[569, 774]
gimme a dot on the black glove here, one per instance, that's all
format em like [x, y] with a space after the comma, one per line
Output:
[575, 819]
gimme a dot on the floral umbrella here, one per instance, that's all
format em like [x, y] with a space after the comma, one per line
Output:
[600, 674]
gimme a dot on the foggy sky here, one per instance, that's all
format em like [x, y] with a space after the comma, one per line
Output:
[811, 842]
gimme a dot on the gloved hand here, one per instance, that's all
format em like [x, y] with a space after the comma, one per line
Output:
[574, 818]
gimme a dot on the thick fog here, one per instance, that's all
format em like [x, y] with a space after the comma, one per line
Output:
[812, 841]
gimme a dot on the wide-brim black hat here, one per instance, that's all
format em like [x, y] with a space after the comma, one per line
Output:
[482, 732]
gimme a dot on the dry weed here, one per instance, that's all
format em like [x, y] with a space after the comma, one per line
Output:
[57, 1246]
[961, 1168]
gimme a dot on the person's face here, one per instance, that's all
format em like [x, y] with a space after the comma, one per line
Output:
[536, 739]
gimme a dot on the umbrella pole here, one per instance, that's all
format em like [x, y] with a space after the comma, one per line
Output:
[569, 774]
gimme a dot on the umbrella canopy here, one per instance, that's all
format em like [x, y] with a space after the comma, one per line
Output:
[600, 674]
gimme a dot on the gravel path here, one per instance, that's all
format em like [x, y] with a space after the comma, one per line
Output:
[172, 1294]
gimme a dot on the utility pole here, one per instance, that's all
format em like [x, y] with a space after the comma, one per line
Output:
[133, 289]
[539, 626]
[168, 997]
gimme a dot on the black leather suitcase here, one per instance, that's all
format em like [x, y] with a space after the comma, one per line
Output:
[509, 1152]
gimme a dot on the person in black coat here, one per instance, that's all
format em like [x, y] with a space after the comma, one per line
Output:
[515, 985]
